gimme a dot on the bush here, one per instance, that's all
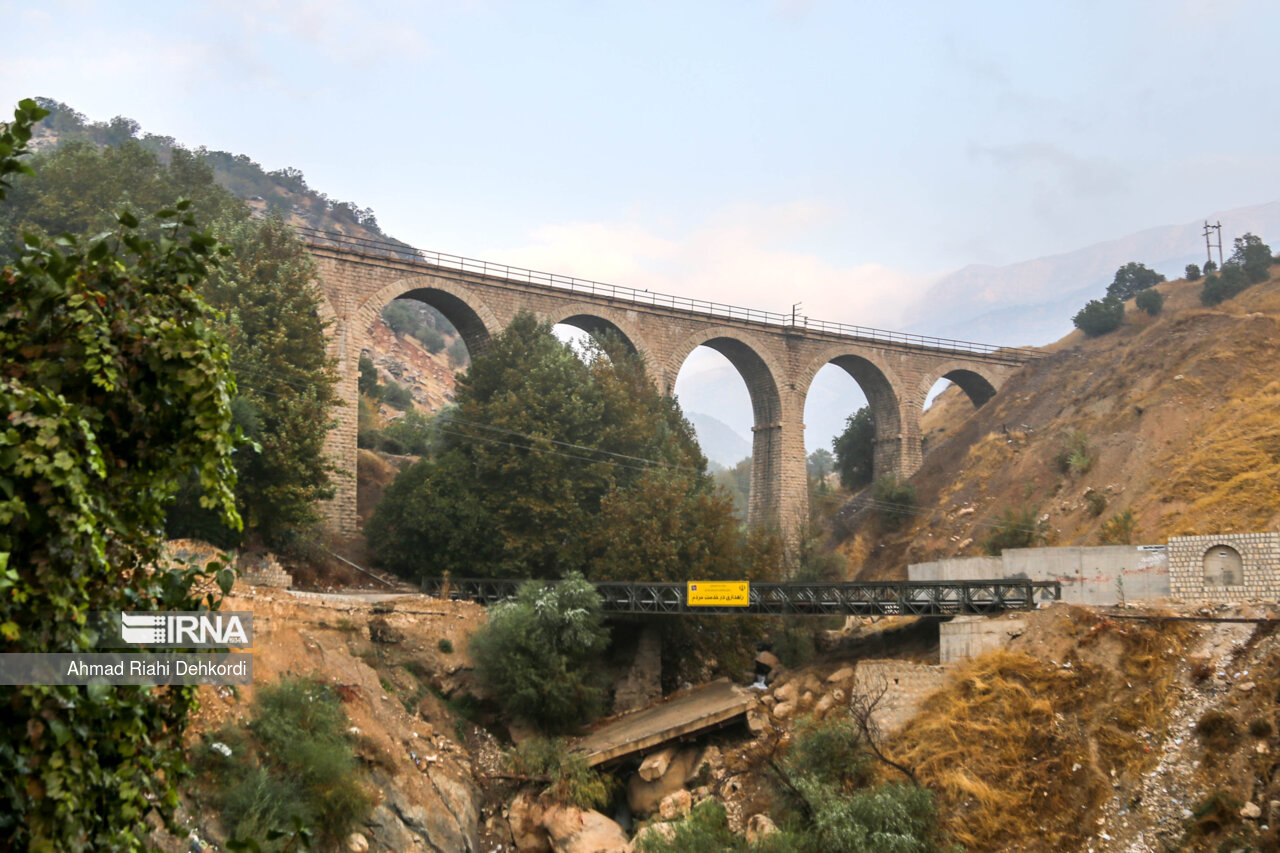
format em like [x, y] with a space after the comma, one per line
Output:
[896, 500]
[1118, 529]
[823, 787]
[1096, 501]
[1076, 454]
[294, 760]
[1151, 301]
[1218, 730]
[1015, 528]
[1193, 272]
[400, 317]
[704, 830]
[445, 645]
[1099, 316]
[368, 381]
[539, 653]
[1210, 266]
[571, 781]
[430, 338]
[1254, 258]
[397, 396]
[459, 356]
[1220, 288]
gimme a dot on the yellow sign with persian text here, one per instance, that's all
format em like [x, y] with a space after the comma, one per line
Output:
[719, 594]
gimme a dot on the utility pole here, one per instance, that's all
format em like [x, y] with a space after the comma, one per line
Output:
[1208, 248]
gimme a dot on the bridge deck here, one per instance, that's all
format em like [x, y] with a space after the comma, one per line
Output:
[885, 598]
[695, 711]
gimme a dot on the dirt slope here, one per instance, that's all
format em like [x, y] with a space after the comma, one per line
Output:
[1180, 418]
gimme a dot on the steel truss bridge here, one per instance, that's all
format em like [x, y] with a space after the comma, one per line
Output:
[882, 598]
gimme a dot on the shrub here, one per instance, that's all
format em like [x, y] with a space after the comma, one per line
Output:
[1118, 529]
[430, 338]
[1220, 288]
[368, 381]
[896, 500]
[400, 317]
[1099, 316]
[1076, 453]
[445, 645]
[1096, 501]
[1261, 727]
[1151, 301]
[398, 396]
[1218, 730]
[704, 830]
[570, 780]
[293, 761]
[539, 653]
[1210, 266]
[1193, 272]
[1015, 528]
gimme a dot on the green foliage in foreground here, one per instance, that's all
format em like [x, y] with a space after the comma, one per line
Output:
[570, 780]
[539, 653]
[825, 804]
[292, 765]
[113, 388]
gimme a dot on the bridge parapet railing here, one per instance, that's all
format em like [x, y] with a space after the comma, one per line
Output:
[895, 598]
[791, 322]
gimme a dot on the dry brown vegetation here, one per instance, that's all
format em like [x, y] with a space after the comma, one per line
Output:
[1024, 746]
[1181, 413]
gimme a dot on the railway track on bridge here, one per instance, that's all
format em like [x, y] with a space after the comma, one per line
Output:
[880, 598]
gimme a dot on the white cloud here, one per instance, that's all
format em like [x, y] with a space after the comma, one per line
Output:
[740, 256]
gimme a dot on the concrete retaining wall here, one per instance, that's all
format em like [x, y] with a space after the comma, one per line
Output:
[1101, 575]
[905, 685]
[969, 636]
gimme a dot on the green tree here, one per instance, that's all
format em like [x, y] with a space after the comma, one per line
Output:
[540, 653]
[368, 382]
[820, 463]
[1131, 279]
[1254, 258]
[855, 450]
[1099, 316]
[1224, 285]
[1151, 301]
[551, 464]
[1193, 272]
[268, 303]
[113, 386]
[896, 501]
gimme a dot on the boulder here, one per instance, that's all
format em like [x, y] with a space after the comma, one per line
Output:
[573, 830]
[656, 764]
[787, 692]
[1251, 811]
[841, 675]
[757, 723]
[824, 705]
[768, 659]
[783, 710]
[712, 757]
[357, 843]
[675, 805]
[524, 817]
[806, 700]
[759, 826]
[644, 796]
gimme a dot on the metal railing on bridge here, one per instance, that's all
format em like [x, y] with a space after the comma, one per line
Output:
[439, 260]
[880, 598]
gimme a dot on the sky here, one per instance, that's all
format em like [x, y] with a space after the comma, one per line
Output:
[840, 155]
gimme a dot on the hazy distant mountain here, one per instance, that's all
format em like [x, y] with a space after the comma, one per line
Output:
[720, 442]
[1032, 302]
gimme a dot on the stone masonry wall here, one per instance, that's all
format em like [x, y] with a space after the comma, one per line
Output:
[1260, 556]
[906, 686]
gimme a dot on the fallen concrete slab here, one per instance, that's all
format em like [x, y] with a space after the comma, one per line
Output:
[682, 715]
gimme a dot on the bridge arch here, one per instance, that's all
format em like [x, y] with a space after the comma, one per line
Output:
[596, 319]
[468, 313]
[978, 386]
[879, 383]
[774, 499]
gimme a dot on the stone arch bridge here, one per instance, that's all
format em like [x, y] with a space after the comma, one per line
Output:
[777, 355]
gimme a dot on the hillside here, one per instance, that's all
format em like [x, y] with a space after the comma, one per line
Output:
[1178, 417]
